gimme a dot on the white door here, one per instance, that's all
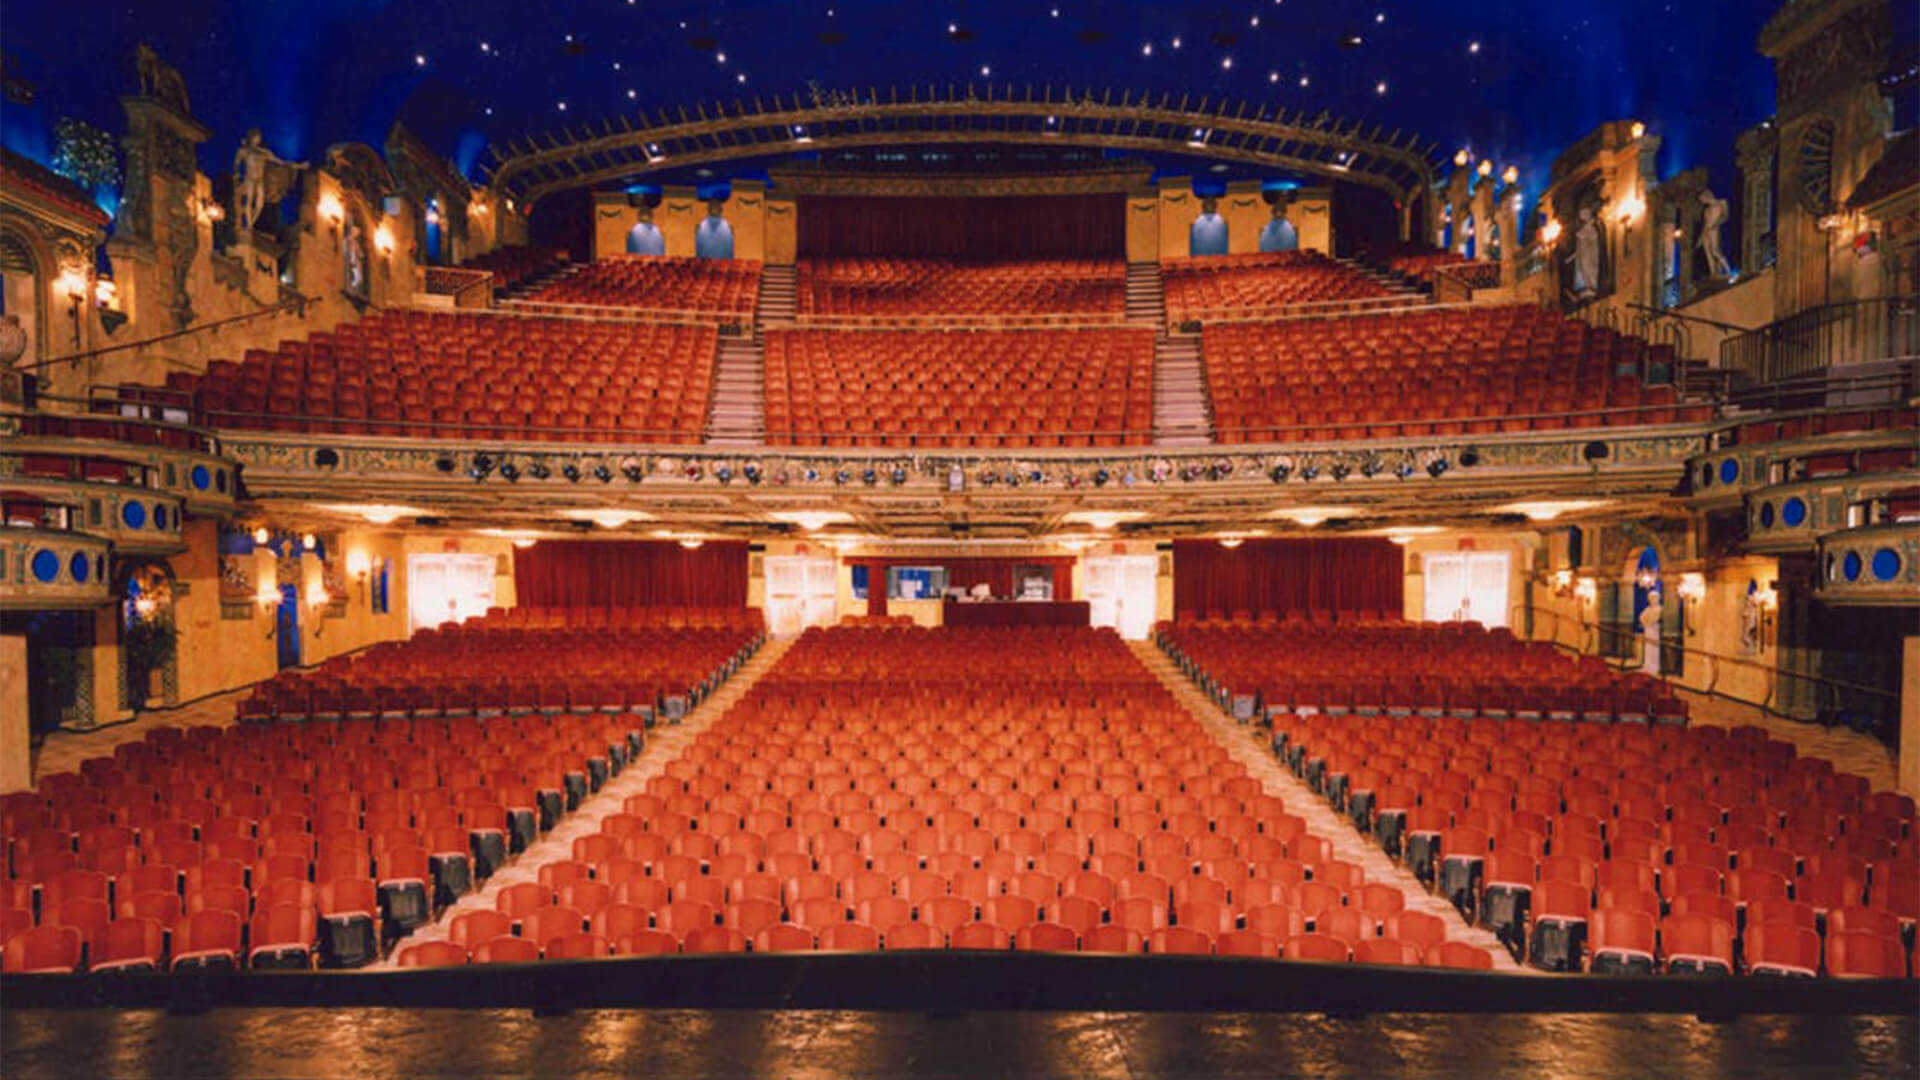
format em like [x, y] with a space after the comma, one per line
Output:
[800, 593]
[1467, 586]
[448, 588]
[1121, 593]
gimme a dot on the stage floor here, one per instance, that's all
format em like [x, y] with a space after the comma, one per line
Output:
[672, 1045]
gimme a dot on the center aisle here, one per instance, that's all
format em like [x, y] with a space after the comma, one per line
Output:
[1322, 819]
[665, 743]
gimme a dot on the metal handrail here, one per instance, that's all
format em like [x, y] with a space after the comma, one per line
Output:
[296, 303]
[1820, 337]
[1592, 633]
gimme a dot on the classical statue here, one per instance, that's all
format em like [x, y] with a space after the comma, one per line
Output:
[1279, 233]
[1586, 255]
[1650, 633]
[1713, 214]
[160, 81]
[13, 340]
[260, 179]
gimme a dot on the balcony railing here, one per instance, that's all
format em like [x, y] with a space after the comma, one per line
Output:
[1808, 343]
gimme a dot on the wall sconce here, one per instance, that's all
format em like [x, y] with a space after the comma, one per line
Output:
[1767, 599]
[260, 538]
[1628, 209]
[1511, 176]
[1485, 168]
[1562, 583]
[1647, 579]
[383, 240]
[308, 540]
[1462, 156]
[1692, 591]
[209, 211]
[331, 213]
[1586, 590]
[1550, 232]
[72, 284]
[267, 599]
[358, 568]
[316, 598]
[1638, 130]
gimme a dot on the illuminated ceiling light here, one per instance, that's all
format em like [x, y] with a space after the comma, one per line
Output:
[1380, 17]
[720, 58]
[740, 78]
[1101, 519]
[1254, 21]
[1075, 544]
[373, 513]
[1176, 43]
[484, 47]
[1303, 80]
[812, 520]
[631, 94]
[1231, 542]
[419, 60]
[985, 71]
[1473, 47]
[1273, 76]
[1548, 509]
[1380, 87]
[1310, 516]
[563, 106]
[522, 538]
[1147, 49]
[1226, 63]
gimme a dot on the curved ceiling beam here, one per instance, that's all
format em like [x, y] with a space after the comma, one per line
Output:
[1319, 145]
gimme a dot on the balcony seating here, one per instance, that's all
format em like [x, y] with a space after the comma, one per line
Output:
[661, 283]
[1612, 844]
[437, 375]
[1431, 372]
[1220, 286]
[290, 845]
[878, 778]
[905, 388]
[514, 266]
[875, 287]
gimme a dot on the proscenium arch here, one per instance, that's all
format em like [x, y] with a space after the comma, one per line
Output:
[1319, 144]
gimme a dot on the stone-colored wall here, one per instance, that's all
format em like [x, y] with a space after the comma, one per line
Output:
[16, 734]
[783, 232]
[1143, 228]
[1246, 213]
[678, 215]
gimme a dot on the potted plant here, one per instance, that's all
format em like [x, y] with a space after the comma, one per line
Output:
[150, 646]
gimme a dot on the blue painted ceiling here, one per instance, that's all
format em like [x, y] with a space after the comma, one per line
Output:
[1515, 81]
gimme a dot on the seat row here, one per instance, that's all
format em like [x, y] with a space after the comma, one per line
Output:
[716, 286]
[881, 287]
[834, 807]
[514, 265]
[1216, 286]
[1626, 848]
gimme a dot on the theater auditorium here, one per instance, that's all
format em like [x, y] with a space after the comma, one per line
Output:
[867, 539]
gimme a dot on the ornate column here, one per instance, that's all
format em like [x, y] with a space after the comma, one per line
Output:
[160, 221]
[1758, 148]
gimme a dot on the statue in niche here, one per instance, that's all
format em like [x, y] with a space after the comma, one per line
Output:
[260, 179]
[714, 238]
[13, 339]
[354, 252]
[1713, 215]
[1586, 255]
[1650, 633]
[645, 237]
[1208, 234]
[1279, 233]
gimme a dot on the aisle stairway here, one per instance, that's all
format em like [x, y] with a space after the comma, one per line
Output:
[1182, 415]
[738, 416]
[532, 285]
[664, 743]
[1322, 820]
[1146, 294]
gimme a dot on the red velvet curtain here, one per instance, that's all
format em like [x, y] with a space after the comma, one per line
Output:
[1349, 574]
[965, 573]
[630, 573]
[991, 227]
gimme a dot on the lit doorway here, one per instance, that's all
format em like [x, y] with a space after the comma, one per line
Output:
[1467, 586]
[1122, 593]
[448, 588]
[800, 593]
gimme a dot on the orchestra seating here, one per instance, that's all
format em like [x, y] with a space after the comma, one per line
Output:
[880, 789]
[1608, 845]
[411, 771]
[890, 287]
[1223, 284]
[1431, 372]
[1010, 388]
[437, 375]
[707, 286]
[515, 266]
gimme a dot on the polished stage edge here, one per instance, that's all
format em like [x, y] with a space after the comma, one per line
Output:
[296, 1044]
